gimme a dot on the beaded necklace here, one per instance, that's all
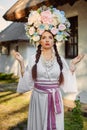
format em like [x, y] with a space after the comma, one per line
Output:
[48, 64]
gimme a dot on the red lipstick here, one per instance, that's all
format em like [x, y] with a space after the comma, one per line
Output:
[47, 44]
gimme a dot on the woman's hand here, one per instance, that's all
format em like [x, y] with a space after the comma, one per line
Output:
[75, 61]
[78, 59]
[17, 56]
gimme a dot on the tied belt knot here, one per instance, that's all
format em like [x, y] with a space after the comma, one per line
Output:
[51, 119]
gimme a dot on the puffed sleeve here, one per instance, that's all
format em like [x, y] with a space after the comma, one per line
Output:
[70, 84]
[26, 82]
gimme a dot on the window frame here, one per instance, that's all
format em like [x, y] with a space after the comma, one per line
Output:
[71, 46]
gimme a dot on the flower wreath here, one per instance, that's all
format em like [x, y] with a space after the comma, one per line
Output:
[47, 18]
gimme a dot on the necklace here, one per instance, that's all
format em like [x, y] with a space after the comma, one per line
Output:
[48, 64]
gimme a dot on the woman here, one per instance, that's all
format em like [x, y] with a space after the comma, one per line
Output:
[45, 74]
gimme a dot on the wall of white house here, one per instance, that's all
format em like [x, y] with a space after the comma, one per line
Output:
[7, 62]
[79, 9]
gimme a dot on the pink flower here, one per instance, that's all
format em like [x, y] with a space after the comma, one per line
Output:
[54, 31]
[62, 27]
[31, 30]
[46, 17]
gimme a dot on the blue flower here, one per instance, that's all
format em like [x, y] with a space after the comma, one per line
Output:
[62, 12]
[35, 34]
[42, 26]
[50, 26]
[60, 33]
[56, 11]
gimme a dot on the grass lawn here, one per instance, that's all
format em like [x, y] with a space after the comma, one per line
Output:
[14, 109]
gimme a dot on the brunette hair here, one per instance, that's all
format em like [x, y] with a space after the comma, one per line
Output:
[61, 77]
[34, 68]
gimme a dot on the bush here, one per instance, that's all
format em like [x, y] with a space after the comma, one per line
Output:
[10, 77]
[77, 119]
[74, 118]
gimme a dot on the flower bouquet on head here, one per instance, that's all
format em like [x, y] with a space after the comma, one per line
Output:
[50, 19]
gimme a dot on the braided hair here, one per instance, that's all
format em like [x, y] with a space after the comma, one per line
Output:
[61, 77]
[34, 68]
[38, 53]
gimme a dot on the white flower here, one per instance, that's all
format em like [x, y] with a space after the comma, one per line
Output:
[67, 24]
[59, 37]
[30, 21]
[37, 24]
[37, 16]
[33, 17]
[55, 21]
[36, 38]
[46, 26]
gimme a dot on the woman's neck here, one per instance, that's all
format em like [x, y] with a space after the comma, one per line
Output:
[47, 54]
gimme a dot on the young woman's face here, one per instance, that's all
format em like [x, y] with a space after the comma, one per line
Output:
[47, 40]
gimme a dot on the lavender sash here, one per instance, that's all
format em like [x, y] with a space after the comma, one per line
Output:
[51, 109]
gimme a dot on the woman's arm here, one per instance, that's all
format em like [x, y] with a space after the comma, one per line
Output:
[75, 61]
[20, 59]
[22, 68]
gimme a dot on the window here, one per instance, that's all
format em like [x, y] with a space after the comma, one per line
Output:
[71, 46]
[4, 49]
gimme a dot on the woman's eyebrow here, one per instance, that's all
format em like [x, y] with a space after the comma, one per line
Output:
[46, 36]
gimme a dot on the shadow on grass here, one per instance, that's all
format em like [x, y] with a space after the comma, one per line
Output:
[4, 95]
[13, 96]
[23, 124]
[20, 126]
[21, 110]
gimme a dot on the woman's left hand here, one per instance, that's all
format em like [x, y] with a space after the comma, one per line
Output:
[78, 59]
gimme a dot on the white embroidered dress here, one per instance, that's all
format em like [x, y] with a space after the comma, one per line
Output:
[38, 109]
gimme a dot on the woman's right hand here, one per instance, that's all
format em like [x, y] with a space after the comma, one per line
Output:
[17, 56]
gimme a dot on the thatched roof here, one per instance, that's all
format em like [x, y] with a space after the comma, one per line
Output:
[20, 10]
[12, 33]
